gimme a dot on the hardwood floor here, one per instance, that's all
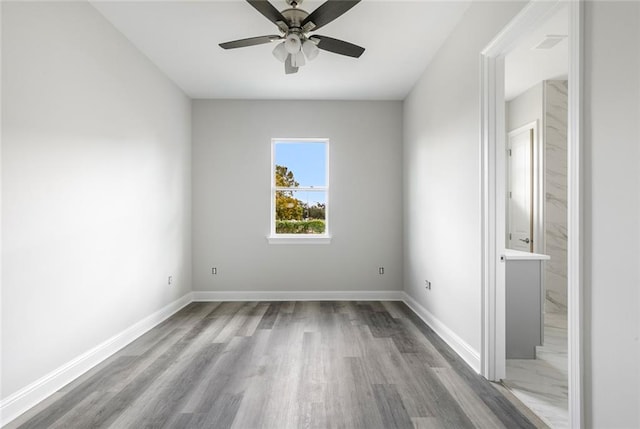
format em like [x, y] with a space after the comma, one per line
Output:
[281, 365]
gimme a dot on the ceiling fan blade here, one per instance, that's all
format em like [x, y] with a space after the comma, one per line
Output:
[327, 12]
[269, 11]
[251, 41]
[288, 67]
[338, 46]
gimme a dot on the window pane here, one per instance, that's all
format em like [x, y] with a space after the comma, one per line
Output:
[303, 164]
[300, 212]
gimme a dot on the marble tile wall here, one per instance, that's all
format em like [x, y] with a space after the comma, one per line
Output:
[555, 141]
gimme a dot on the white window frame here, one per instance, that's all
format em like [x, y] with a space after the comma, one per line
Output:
[275, 238]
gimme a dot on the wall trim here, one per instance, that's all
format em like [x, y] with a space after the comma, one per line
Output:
[294, 295]
[575, 204]
[470, 355]
[14, 405]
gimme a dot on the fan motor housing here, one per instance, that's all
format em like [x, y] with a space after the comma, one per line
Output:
[294, 17]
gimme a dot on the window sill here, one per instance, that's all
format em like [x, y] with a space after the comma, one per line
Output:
[299, 239]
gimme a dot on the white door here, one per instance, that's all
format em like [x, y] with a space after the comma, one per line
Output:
[520, 191]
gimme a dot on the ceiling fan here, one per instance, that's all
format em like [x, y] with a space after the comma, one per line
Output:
[295, 25]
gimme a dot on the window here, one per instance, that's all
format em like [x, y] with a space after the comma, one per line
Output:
[299, 191]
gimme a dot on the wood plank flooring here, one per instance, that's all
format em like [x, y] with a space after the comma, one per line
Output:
[281, 365]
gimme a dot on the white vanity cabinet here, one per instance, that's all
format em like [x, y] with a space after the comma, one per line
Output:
[524, 303]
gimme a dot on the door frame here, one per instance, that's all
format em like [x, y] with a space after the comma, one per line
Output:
[492, 204]
[537, 183]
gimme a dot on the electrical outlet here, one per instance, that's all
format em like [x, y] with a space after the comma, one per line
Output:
[427, 284]
[170, 280]
[381, 270]
[214, 271]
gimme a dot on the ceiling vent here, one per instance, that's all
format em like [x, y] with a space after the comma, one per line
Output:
[549, 41]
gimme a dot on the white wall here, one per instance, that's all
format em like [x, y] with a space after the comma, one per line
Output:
[441, 181]
[95, 187]
[231, 196]
[525, 108]
[612, 213]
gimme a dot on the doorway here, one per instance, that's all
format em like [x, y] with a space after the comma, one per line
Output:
[538, 377]
[494, 189]
[521, 192]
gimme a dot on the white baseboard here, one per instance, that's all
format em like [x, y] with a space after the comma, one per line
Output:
[384, 295]
[27, 397]
[470, 355]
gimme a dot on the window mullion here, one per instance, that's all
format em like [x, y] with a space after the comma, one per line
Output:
[302, 189]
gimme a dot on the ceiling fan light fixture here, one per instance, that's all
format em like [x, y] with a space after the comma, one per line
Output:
[280, 52]
[292, 43]
[310, 50]
[295, 46]
[297, 60]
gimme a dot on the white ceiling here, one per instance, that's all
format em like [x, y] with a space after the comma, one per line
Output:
[181, 38]
[526, 67]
